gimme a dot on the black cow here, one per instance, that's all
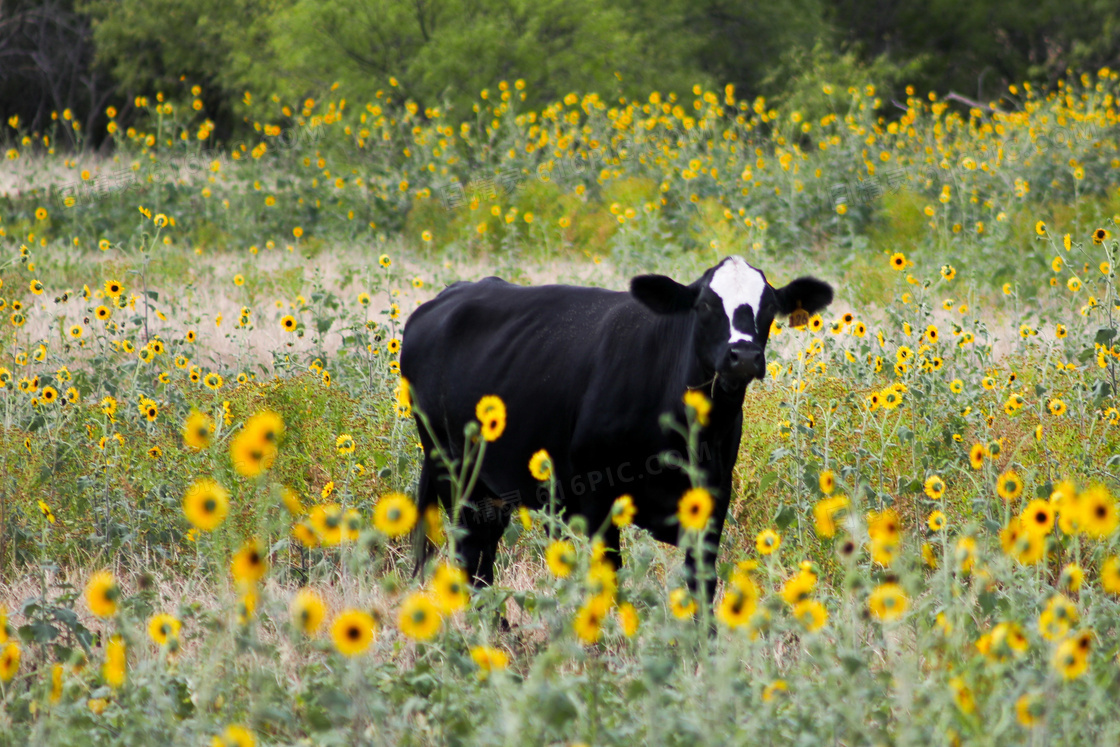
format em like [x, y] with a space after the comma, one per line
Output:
[586, 374]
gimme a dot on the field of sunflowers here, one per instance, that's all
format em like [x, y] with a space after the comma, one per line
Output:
[208, 456]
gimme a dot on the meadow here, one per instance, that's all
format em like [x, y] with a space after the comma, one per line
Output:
[208, 456]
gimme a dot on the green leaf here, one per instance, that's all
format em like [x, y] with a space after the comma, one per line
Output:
[40, 631]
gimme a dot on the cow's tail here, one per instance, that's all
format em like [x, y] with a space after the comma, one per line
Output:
[427, 506]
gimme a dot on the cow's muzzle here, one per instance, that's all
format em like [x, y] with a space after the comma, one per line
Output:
[745, 361]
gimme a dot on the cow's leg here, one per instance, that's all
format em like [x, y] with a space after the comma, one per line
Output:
[722, 466]
[612, 540]
[484, 523]
[479, 547]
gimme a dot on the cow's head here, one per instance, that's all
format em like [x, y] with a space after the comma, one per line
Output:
[732, 307]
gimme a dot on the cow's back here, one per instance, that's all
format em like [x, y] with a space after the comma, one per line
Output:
[572, 365]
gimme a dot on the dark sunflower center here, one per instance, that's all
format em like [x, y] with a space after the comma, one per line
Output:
[353, 633]
[1100, 512]
[1041, 517]
[209, 505]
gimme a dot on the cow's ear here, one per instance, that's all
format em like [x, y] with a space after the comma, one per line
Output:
[808, 294]
[662, 294]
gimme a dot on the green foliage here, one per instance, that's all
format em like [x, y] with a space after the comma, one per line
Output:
[968, 367]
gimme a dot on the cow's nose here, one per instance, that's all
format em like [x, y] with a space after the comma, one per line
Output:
[744, 360]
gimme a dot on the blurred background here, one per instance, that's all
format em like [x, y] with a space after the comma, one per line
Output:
[87, 55]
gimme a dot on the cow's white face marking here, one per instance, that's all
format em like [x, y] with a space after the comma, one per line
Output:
[738, 284]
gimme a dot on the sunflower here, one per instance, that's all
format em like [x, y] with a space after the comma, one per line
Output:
[344, 444]
[1009, 486]
[351, 525]
[419, 618]
[1071, 578]
[353, 631]
[561, 558]
[884, 526]
[888, 602]
[488, 659]
[395, 514]
[699, 404]
[773, 690]
[102, 594]
[1099, 517]
[812, 614]
[305, 534]
[197, 430]
[540, 466]
[236, 735]
[163, 628]
[113, 288]
[1110, 575]
[1100, 236]
[394, 346]
[976, 455]
[57, 671]
[1070, 660]
[291, 501]
[1029, 710]
[9, 661]
[307, 610]
[404, 398]
[326, 520]
[962, 695]
[1028, 547]
[740, 599]
[827, 481]
[433, 523]
[288, 323]
[898, 261]
[116, 662]
[1038, 517]
[935, 487]
[254, 449]
[767, 541]
[206, 504]
[1056, 407]
[694, 509]
[450, 589]
[936, 521]
[682, 604]
[798, 587]
[825, 513]
[49, 395]
[249, 564]
[491, 414]
[588, 623]
[623, 510]
[628, 619]
[384, 261]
